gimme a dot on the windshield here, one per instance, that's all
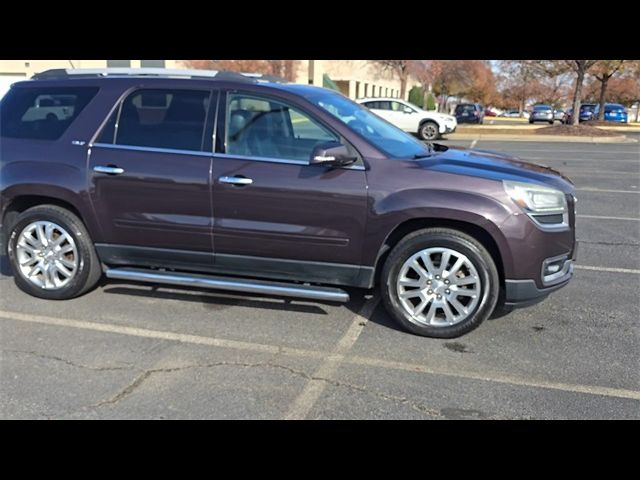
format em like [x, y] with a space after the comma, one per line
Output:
[542, 108]
[391, 140]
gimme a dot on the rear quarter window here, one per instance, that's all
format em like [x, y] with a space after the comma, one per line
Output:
[42, 113]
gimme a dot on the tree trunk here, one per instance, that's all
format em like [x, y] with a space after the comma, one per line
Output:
[403, 85]
[603, 91]
[577, 97]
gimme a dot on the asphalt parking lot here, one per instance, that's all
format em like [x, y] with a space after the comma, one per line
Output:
[136, 351]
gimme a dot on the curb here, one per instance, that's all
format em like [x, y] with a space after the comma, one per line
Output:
[541, 138]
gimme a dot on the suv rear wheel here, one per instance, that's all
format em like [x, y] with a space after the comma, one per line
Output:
[440, 282]
[429, 131]
[51, 253]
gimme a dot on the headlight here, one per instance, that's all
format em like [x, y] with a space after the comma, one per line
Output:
[546, 206]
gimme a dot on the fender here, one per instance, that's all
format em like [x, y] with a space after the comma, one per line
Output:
[433, 204]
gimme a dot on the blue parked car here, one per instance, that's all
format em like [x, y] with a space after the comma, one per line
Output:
[613, 112]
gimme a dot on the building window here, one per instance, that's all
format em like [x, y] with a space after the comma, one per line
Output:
[152, 63]
[118, 63]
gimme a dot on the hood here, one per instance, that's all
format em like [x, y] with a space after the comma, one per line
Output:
[495, 166]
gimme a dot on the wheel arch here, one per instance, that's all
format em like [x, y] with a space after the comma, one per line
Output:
[478, 232]
[17, 204]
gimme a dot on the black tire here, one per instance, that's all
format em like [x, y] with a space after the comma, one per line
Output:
[89, 269]
[449, 238]
[530, 121]
[551, 122]
[429, 130]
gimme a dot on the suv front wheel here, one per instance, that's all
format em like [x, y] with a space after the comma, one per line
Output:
[51, 253]
[429, 131]
[440, 282]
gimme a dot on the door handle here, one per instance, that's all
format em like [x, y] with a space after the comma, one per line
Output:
[109, 170]
[236, 180]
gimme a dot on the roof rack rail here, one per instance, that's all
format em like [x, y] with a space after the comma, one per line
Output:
[59, 73]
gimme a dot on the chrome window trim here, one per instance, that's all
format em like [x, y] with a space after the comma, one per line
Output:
[152, 149]
[280, 160]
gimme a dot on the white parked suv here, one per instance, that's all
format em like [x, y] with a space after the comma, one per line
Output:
[410, 118]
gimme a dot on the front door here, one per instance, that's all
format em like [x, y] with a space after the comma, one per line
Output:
[273, 212]
[149, 179]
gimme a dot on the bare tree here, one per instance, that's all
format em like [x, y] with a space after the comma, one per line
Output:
[401, 68]
[603, 71]
[519, 77]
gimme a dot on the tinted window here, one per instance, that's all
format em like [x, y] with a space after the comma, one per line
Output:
[42, 113]
[379, 105]
[173, 119]
[541, 107]
[260, 127]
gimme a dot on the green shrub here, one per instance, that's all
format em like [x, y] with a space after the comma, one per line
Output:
[416, 96]
[328, 83]
[431, 101]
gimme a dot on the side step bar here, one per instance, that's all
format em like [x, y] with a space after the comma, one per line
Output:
[229, 283]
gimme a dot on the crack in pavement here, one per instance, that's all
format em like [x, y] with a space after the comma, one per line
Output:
[145, 374]
[140, 379]
[64, 360]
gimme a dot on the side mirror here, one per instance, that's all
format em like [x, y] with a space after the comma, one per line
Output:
[407, 110]
[332, 154]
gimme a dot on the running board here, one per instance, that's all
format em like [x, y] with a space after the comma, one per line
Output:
[229, 283]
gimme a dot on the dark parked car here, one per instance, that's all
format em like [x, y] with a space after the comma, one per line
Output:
[469, 113]
[228, 181]
[588, 111]
[541, 113]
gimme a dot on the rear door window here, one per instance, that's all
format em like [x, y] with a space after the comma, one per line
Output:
[42, 113]
[168, 119]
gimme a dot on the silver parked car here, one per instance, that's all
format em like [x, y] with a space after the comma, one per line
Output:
[558, 115]
[541, 113]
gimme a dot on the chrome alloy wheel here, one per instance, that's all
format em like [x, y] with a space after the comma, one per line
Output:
[438, 287]
[430, 130]
[46, 254]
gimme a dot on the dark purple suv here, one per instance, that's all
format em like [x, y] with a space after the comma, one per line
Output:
[238, 182]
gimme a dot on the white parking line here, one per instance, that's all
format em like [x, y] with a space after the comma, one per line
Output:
[349, 338]
[602, 217]
[604, 190]
[160, 335]
[608, 269]
[303, 404]
[473, 144]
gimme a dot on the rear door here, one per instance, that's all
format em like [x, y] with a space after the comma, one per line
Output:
[149, 178]
[273, 212]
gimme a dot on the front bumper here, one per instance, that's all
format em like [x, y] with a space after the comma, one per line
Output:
[522, 293]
